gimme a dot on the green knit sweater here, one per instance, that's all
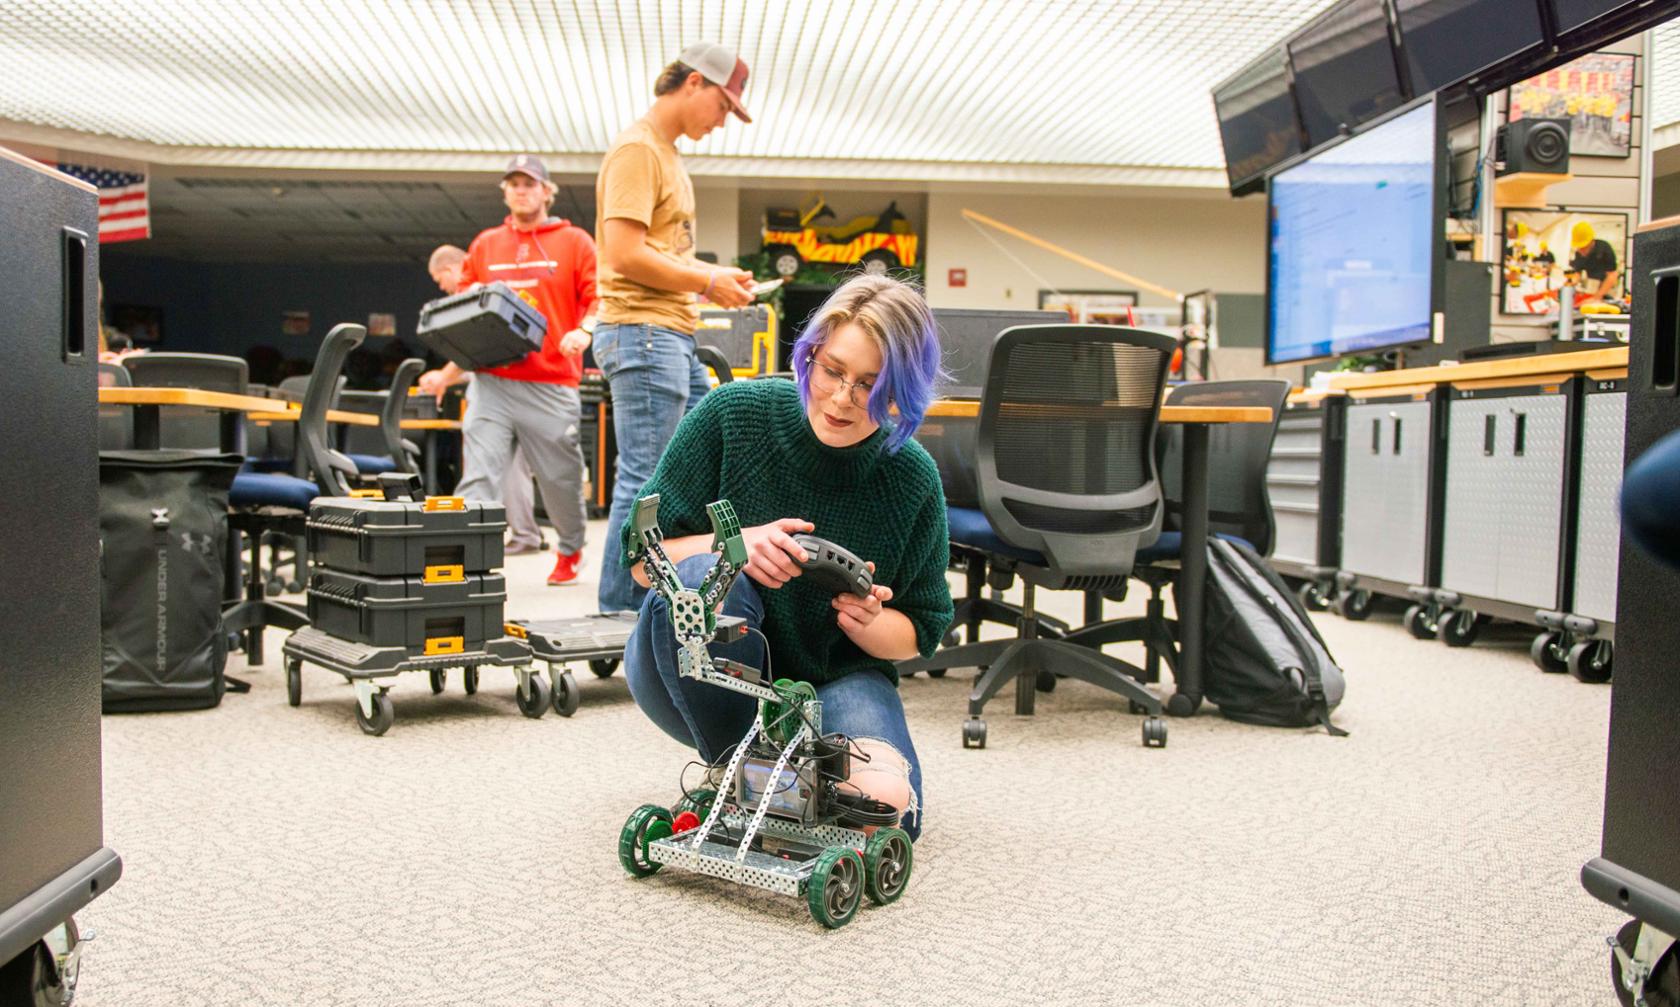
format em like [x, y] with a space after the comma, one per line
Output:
[750, 442]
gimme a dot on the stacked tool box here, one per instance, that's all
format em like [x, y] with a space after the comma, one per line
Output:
[406, 571]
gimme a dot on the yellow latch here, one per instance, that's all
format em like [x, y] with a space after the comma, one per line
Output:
[516, 631]
[446, 645]
[368, 494]
[445, 503]
[445, 573]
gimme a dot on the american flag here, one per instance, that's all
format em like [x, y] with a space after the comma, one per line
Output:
[124, 208]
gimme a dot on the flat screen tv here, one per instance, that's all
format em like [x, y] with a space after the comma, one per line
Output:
[1344, 69]
[1257, 121]
[1448, 41]
[1569, 15]
[1354, 239]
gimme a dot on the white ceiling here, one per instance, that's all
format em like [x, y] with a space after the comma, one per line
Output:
[1070, 90]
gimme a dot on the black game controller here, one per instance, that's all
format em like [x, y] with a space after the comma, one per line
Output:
[834, 568]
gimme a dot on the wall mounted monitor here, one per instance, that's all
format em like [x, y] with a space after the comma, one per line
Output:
[1354, 243]
[1257, 120]
[1568, 15]
[1344, 69]
[1448, 41]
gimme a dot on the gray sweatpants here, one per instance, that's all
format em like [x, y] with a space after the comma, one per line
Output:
[516, 500]
[543, 418]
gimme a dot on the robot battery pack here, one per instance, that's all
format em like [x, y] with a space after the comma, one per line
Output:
[484, 327]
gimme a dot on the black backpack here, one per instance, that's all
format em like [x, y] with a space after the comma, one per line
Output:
[1265, 663]
[163, 533]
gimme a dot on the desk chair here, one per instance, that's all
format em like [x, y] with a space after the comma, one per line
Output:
[382, 449]
[266, 503]
[116, 423]
[184, 426]
[1068, 495]
[1238, 509]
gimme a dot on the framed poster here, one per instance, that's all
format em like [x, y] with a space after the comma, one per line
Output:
[294, 323]
[1096, 307]
[381, 324]
[1546, 250]
[1595, 93]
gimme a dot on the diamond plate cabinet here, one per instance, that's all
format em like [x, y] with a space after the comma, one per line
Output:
[1304, 484]
[1638, 871]
[53, 859]
[1391, 481]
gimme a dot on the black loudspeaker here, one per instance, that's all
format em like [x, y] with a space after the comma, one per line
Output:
[1537, 145]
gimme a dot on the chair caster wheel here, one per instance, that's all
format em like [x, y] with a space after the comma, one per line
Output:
[603, 667]
[949, 639]
[1355, 604]
[1046, 682]
[1590, 661]
[1418, 623]
[294, 681]
[1460, 627]
[974, 733]
[1180, 705]
[1549, 653]
[1136, 708]
[1154, 732]
[936, 672]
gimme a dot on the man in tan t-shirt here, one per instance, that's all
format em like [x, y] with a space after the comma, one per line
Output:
[647, 278]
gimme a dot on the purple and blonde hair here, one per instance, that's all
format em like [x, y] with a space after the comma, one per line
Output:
[894, 314]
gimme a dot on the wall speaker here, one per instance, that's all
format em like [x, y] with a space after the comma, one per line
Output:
[1537, 145]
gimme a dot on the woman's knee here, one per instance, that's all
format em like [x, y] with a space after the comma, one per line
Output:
[881, 772]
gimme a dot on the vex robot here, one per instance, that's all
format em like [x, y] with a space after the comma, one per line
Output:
[779, 818]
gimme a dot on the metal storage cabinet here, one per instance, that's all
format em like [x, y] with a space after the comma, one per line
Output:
[1507, 462]
[1303, 481]
[52, 855]
[1598, 514]
[1639, 869]
[1390, 487]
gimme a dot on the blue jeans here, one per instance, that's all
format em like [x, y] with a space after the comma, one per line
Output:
[655, 381]
[711, 719]
[1651, 500]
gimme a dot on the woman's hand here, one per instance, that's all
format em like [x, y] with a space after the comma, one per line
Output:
[773, 557]
[855, 614]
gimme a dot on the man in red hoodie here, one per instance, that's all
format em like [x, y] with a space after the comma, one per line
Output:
[534, 400]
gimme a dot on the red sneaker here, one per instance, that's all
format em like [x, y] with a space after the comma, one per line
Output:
[565, 568]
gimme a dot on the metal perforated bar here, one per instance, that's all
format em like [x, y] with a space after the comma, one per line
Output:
[799, 737]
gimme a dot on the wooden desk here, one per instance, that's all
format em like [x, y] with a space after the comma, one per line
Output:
[1192, 571]
[148, 402]
[1609, 358]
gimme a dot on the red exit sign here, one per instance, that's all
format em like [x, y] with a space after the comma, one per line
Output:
[958, 278]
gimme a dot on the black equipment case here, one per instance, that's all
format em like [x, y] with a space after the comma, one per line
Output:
[405, 538]
[426, 616]
[485, 327]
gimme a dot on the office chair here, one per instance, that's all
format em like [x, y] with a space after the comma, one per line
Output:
[266, 503]
[382, 449]
[116, 423]
[1238, 509]
[1068, 495]
[185, 426]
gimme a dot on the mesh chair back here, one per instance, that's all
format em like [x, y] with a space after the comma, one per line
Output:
[1237, 457]
[282, 437]
[184, 426]
[1066, 459]
[390, 417]
[332, 471]
[116, 423]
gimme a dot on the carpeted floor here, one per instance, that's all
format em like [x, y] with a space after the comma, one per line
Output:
[277, 856]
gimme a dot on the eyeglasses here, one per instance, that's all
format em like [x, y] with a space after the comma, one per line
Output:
[825, 381]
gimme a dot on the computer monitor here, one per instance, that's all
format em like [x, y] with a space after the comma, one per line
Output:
[966, 336]
[1448, 41]
[1344, 69]
[1354, 242]
[1257, 122]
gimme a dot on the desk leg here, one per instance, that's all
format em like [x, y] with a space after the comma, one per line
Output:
[146, 435]
[1192, 573]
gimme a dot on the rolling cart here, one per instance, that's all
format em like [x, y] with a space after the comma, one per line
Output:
[367, 667]
[1581, 640]
[1391, 491]
[1304, 483]
[597, 639]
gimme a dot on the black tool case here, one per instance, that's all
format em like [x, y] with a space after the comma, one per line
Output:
[485, 327]
[405, 538]
[427, 617]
